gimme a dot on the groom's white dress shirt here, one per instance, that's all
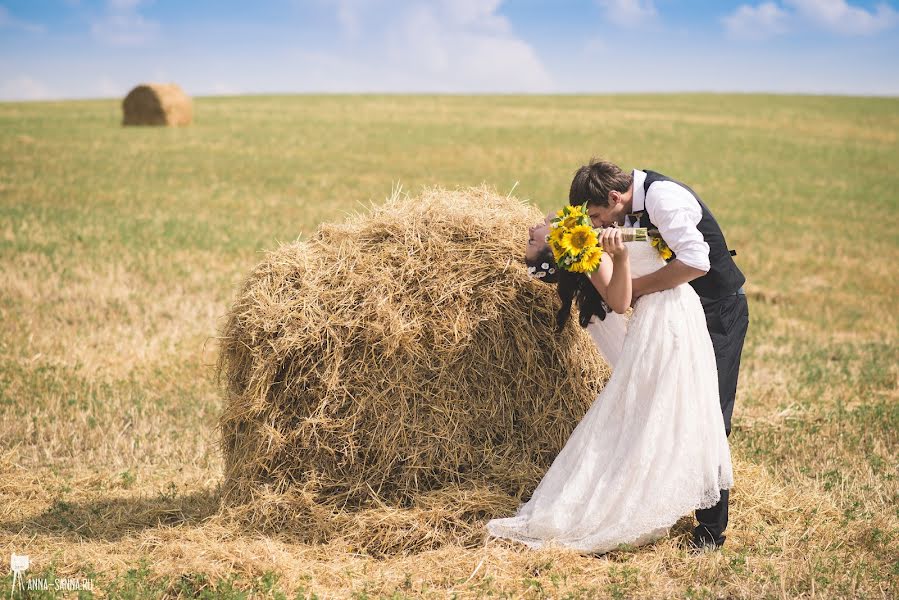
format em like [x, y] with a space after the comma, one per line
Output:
[676, 213]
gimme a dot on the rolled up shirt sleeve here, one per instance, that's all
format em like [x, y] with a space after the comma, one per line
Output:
[677, 213]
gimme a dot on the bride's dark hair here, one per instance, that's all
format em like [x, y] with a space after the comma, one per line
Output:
[572, 287]
[577, 287]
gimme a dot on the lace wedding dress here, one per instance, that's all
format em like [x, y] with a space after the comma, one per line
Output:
[608, 336]
[652, 446]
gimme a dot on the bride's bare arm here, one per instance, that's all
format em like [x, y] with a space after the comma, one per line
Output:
[613, 279]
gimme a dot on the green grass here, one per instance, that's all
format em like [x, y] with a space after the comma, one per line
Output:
[120, 249]
[141, 582]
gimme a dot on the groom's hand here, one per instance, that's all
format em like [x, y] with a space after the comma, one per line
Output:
[612, 244]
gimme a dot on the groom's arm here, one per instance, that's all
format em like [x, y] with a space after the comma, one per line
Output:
[671, 275]
[676, 213]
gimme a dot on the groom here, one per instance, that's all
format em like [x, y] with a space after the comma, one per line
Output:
[701, 258]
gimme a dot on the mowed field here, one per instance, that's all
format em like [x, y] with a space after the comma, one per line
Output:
[121, 249]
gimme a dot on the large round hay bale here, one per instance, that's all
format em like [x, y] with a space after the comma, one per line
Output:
[396, 379]
[157, 104]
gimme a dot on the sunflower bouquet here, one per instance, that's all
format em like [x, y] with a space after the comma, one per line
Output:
[575, 243]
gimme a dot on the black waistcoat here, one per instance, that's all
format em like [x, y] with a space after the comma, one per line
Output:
[724, 277]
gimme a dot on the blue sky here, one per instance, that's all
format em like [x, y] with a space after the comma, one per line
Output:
[101, 48]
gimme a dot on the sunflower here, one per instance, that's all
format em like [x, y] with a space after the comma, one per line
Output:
[580, 238]
[589, 261]
[576, 211]
[570, 222]
[555, 244]
[570, 211]
[557, 240]
[558, 250]
[663, 249]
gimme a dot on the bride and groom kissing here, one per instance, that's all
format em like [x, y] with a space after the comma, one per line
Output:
[653, 446]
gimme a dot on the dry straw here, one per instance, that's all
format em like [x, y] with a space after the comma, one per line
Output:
[157, 104]
[395, 380]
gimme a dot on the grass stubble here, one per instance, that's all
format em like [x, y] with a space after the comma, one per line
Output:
[121, 249]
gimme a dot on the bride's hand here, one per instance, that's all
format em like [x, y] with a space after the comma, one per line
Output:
[610, 240]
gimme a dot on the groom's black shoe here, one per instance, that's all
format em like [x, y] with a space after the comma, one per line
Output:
[704, 541]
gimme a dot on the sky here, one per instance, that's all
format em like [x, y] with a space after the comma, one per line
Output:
[59, 49]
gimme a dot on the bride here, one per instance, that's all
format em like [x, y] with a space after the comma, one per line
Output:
[652, 447]
[606, 328]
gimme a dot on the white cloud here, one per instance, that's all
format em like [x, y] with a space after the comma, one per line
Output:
[124, 5]
[480, 14]
[348, 18]
[107, 87]
[24, 88]
[221, 88]
[756, 22]
[768, 19]
[123, 25]
[841, 17]
[595, 45]
[629, 13]
[434, 46]
[7, 21]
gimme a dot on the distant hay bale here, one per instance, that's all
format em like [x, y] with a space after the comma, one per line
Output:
[396, 379]
[157, 104]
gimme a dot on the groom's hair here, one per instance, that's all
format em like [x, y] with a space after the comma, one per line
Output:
[592, 183]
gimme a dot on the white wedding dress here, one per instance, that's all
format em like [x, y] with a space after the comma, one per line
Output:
[608, 335]
[652, 446]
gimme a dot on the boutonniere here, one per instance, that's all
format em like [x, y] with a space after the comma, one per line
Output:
[654, 238]
[659, 244]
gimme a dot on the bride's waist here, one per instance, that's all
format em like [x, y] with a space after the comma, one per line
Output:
[647, 266]
[684, 291]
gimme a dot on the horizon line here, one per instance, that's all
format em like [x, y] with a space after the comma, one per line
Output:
[822, 94]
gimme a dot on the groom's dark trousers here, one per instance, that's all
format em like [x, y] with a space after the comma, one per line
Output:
[727, 316]
[728, 320]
